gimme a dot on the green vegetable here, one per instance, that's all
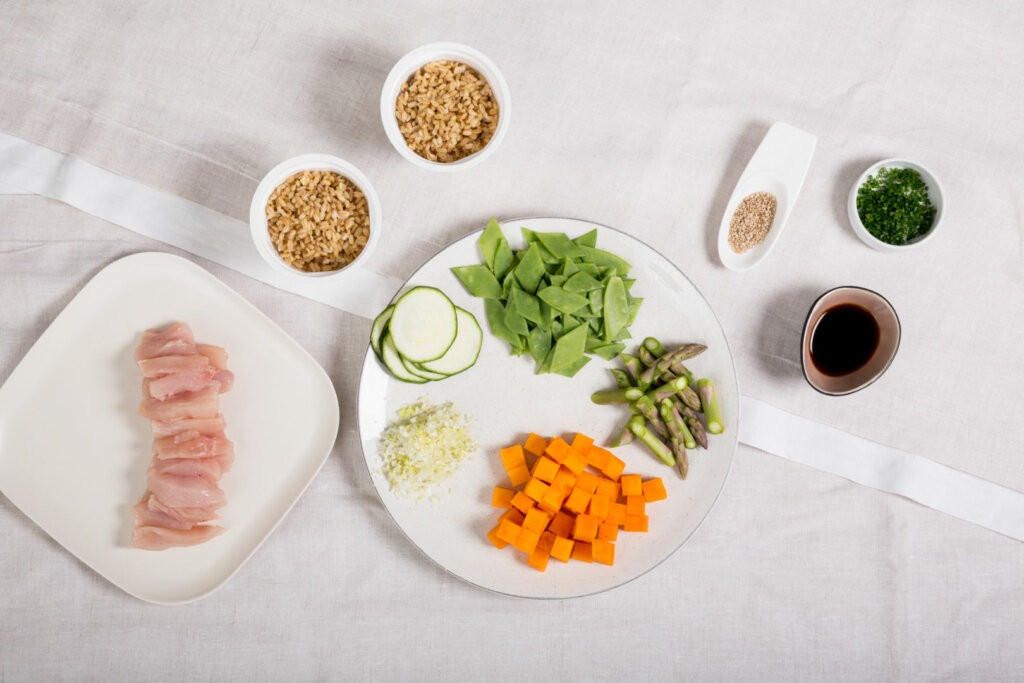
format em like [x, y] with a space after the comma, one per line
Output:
[636, 425]
[626, 395]
[894, 205]
[709, 402]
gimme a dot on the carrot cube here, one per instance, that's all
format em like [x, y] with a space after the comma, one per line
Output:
[513, 515]
[508, 531]
[631, 485]
[581, 551]
[557, 449]
[597, 457]
[535, 444]
[562, 524]
[522, 502]
[575, 461]
[598, 506]
[561, 550]
[492, 535]
[636, 523]
[585, 528]
[616, 513]
[613, 468]
[512, 457]
[502, 498]
[587, 482]
[536, 520]
[603, 552]
[527, 541]
[582, 443]
[635, 505]
[654, 490]
[577, 501]
[608, 488]
[539, 557]
[564, 480]
[519, 475]
[607, 531]
[535, 489]
[552, 500]
[545, 469]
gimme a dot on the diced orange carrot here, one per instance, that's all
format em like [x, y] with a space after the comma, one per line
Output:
[603, 552]
[616, 513]
[585, 528]
[636, 523]
[492, 535]
[607, 531]
[512, 515]
[539, 557]
[635, 505]
[581, 551]
[561, 550]
[535, 444]
[535, 489]
[562, 524]
[613, 468]
[564, 480]
[536, 520]
[545, 469]
[597, 457]
[519, 475]
[508, 531]
[587, 482]
[608, 488]
[582, 443]
[527, 541]
[575, 461]
[631, 485]
[557, 449]
[502, 497]
[552, 500]
[654, 490]
[512, 457]
[577, 501]
[598, 506]
[522, 502]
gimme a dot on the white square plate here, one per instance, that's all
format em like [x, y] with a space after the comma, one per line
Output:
[74, 452]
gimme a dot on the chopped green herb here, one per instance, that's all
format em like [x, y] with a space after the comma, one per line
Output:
[894, 206]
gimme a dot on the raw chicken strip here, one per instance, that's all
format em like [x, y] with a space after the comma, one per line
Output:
[208, 468]
[206, 425]
[145, 515]
[193, 404]
[177, 340]
[185, 492]
[162, 388]
[168, 365]
[192, 444]
[218, 358]
[159, 538]
[191, 516]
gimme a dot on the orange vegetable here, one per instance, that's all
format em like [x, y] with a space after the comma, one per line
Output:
[552, 500]
[654, 490]
[603, 552]
[587, 482]
[631, 485]
[535, 444]
[636, 523]
[535, 489]
[598, 506]
[575, 461]
[564, 480]
[493, 536]
[545, 469]
[581, 551]
[613, 468]
[502, 498]
[512, 457]
[617, 513]
[536, 520]
[522, 502]
[508, 531]
[539, 557]
[577, 501]
[527, 541]
[561, 549]
[562, 524]
[597, 457]
[582, 443]
[513, 515]
[635, 505]
[608, 488]
[585, 528]
[607, 531]
[519, 475]
[557, 449]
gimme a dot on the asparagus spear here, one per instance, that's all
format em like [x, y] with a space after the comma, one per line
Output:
[709, 402]
[693, 422]
[654, 346]
[636, 425]
[666, 390]
[690, 398]
[664, 363]
[675, 423]
[624, 436]
[650, 413]
[621, 378]
[682, 460]
[646, 357]
[627, 395]
[680, 369]
[633, 366]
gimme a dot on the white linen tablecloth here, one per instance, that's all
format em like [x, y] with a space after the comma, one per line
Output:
[639, 116]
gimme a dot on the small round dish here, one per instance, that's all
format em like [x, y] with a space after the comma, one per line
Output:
[888, 340]
[935, 195]
[409, 65]
[283, 171]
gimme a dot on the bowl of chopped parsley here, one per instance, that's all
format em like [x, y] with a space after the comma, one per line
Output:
[896, 204]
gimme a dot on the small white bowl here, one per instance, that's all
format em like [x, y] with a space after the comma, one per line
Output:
[410, 64]
[283, 171]
[935, 195]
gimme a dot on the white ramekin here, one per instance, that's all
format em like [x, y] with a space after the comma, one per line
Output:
[935, 195]
[283, 171]
[408, 65]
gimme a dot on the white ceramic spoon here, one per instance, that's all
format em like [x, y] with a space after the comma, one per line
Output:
[779, 166]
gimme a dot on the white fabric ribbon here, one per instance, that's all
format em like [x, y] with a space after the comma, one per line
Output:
[27, 167]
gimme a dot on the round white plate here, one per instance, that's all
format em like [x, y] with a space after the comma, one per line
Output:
[505, 401]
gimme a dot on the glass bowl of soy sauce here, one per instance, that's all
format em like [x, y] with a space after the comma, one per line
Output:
[850, 339]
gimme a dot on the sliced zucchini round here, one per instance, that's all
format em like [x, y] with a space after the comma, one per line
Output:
[380, 323]
[393, 361]
[420, 372]
[463, 352]
[423, 324]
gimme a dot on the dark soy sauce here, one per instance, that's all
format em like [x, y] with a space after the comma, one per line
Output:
[844, 339]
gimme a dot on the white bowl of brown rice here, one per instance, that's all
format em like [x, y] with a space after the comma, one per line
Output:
[445, 107]
[315, 216]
